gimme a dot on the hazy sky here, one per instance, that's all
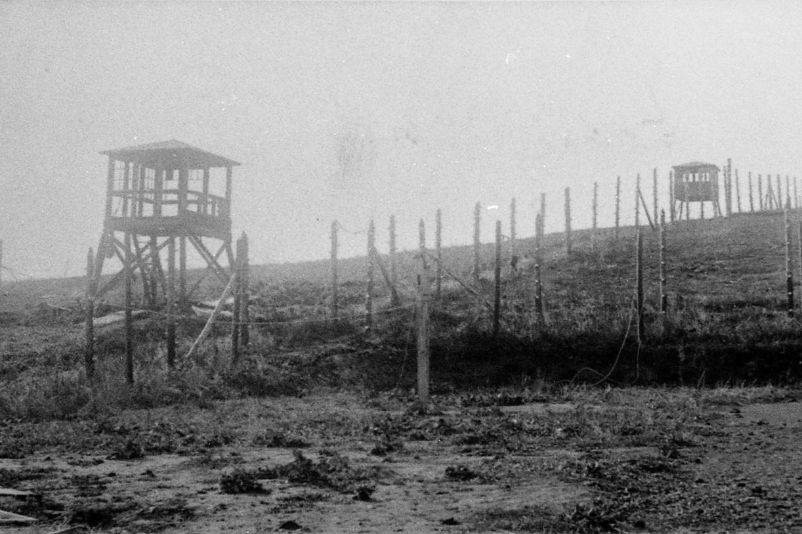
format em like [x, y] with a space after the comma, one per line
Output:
[449, 103]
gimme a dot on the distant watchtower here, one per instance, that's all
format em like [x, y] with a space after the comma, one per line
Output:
[157, 194]
[695, 182]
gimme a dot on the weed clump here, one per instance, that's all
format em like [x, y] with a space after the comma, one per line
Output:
[241, 481]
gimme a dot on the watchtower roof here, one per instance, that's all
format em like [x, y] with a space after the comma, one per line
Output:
[695, 165]
[170, 153]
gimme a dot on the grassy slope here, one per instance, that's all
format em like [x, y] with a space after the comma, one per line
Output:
[726, 324]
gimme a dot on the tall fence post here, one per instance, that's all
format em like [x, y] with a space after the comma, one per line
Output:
[538, 267]
[789, 274]
[236, 312]
[477, 237]
[89, 331]
[568, 220]
[654, 194]
[751, 200]
[370, 274]
[663, 295]
[333, 267]
[760, 191]
[394, 299]
[738, 190]
[617, 206]
[497, 283]
[438, 244]
[671, 207]
[513, 258]
[595, 215]
[129, 319]
[639, 283]
[423, 320]
[788, 191]
[170, 302]
[245, 312]
[542, 214]
[727, 187]
[637, 202]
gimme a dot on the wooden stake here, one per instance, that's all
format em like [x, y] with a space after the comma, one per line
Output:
[654, 193]
[236, 312]
[595, 215]
[738, 190]
[129, 323]
[672, 207]
[513, 259]
[477, 219]
[663, 295]
[751, 201]
[729, 188]
[538, 267]
[171, 302]
[333, 267]
[371, 275]
[789, 276]
[245, 334]
[639, 283]
[423, 320]
[568, 220]
[760, 190]
[394, 299]
[637, 202]
[438, 244]
[497, 280]
[89, 331]
[617, 206]
[780, 202]
[542, 214]
[213, 317]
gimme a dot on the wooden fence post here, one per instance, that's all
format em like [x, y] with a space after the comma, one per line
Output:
[671, 207]
[760, 191]
[370, 274]
[637, 202]
[788, 191]
[568, 220]
[89, 331]
[751, 201]
[538, 267]
[477, 236]
[171, 302]
[333, 266]
[513, 259]
[595, 215]
[729, 188]
[245, 313]
[738, 190]
[617, 206]
[789, 276]
[438, 243]
[394, 299]
[129, 319]
[639, 283]
[654, 194]
[236, 315]
[663, 295]
[423, 320]
[780, 202]
[542, 214]
[497, 285]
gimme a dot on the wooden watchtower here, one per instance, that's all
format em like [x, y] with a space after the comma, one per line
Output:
[157, 194]
[695, 182]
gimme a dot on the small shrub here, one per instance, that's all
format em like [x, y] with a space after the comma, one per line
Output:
[240, 481]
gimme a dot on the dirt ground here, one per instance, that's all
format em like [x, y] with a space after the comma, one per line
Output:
[650, 460]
